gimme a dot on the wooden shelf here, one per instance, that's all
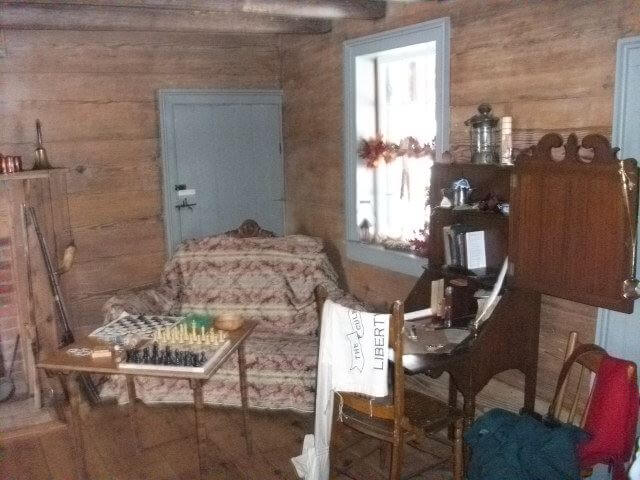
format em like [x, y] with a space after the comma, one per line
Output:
[470, 166]
[470, 212]
[30, 175]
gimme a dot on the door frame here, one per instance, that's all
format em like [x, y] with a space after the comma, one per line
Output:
[608, 321]
[167, 100]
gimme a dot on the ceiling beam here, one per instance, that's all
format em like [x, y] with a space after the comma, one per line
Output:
[362, 9]
[90, 17]
[321, 9]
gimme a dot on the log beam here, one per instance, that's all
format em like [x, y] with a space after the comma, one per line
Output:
[320, 9]
[363, 9]
[93, 17]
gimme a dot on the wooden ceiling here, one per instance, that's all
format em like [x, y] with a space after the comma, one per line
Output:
[204, 16]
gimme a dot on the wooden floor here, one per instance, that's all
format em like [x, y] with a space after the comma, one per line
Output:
[169, 450]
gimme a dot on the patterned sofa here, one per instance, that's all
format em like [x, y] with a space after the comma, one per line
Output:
[268, 279]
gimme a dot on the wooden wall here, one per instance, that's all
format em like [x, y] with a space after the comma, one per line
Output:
[549, 64]
[95, 93]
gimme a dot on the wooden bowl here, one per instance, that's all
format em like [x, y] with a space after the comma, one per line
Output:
[229, 321]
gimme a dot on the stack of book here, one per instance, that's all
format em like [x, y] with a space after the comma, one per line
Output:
[465, 247]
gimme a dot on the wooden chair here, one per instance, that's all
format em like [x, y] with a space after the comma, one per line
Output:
[583, 360]
[402, 416]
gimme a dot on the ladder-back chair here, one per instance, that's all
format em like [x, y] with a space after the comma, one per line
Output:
[401, 416]
[584, 361]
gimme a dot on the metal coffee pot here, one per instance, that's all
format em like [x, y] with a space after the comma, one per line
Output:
[459, 193]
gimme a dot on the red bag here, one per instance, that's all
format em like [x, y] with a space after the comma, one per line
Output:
[612, 417]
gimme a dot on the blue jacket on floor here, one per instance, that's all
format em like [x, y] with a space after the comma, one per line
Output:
[507, 446]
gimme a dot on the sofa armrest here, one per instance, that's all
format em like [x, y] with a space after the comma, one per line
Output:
[152, 301]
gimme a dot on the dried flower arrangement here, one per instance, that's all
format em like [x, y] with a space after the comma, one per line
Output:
[375, 150]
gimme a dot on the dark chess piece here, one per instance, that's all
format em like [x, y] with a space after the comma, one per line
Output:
[145, 355]
[154, 353]
[203, 359]
[194, 359]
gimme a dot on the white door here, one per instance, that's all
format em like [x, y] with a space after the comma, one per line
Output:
[222, 162]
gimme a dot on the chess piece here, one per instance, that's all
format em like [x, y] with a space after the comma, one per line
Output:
[145, 355]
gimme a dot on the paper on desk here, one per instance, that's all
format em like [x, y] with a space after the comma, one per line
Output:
[494, 298]
[426, 312]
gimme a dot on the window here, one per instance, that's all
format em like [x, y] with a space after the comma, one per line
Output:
[396, 120]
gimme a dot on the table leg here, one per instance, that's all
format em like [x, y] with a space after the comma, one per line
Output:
[530, 380]
[242, 367]
[453, 406]
[469, 410]
[468, 414]
[71, 381]
[201, 431]
[131, 391]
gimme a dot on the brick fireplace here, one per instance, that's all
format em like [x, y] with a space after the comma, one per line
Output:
[9, 327]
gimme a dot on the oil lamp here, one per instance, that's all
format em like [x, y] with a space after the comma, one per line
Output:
[484, 136]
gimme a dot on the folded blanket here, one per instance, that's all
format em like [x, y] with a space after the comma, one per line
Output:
[508, 446]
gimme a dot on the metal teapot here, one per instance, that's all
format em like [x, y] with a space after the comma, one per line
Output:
[459, 193]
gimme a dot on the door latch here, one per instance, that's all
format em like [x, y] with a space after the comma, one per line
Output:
[179, 187]
[186, 204]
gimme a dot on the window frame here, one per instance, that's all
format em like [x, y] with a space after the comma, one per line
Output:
[434, 30]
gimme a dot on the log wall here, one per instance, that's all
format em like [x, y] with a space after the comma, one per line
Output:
[95, 93]
[549, 64]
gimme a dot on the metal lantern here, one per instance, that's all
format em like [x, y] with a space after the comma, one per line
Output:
[484, 136]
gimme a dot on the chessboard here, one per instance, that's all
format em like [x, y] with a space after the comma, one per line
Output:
[172, 358]
[177, 348]
[142, 325]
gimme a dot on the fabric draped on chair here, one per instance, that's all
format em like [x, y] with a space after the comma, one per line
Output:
[612, 417]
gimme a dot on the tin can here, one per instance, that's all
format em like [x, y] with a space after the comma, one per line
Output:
[8, 164]
[17, 163]
[3, 164]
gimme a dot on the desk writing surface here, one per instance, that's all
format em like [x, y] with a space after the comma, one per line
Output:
[62, 361]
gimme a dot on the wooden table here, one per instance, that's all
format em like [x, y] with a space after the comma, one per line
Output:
[68, 367]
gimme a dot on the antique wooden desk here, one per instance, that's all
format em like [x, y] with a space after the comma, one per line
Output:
[507, 340]
[68, 367]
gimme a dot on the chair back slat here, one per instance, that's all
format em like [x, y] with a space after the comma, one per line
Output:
[558, 400]
[583, 418]
[396, 342]
[576, 397]
[586, 359]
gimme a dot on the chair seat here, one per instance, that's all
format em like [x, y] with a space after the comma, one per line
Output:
[422, 414]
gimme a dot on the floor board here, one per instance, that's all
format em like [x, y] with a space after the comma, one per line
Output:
[169, 449]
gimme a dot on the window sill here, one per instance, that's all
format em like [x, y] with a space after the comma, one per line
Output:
[400, 262]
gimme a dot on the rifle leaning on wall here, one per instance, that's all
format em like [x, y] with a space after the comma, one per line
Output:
[66, 337]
